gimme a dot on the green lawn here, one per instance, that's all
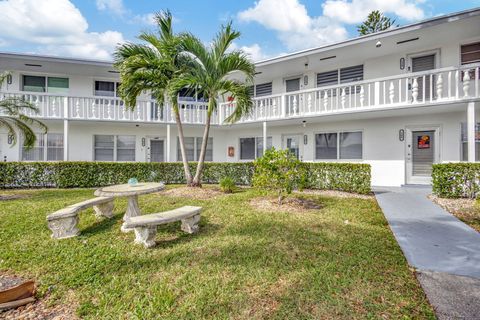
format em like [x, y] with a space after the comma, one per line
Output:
[244, 264]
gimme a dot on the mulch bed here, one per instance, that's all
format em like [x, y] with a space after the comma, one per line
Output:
[290, 204]
[335, 193]
[204, 193]
[464, 209]
[37, 310]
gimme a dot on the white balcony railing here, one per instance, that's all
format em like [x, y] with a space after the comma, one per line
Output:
[448, 85]
[422, 88]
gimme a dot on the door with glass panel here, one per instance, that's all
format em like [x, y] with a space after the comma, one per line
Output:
[292, 102]
[293, 143]
[156, 150]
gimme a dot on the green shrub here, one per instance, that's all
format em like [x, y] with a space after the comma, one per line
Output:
[456, 180]
[278, 171]
[227, 185]
[350, 177]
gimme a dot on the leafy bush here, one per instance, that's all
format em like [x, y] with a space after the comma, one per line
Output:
[278, 171]
[227, 184]
[456, 180]
[350, 177]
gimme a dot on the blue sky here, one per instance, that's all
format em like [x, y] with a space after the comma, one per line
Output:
[92, 28]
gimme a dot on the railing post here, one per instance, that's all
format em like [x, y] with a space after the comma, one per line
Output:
[167, 153]
[376, 88]
[471, 131]
[284, 105]
[66, 108]
[466, 83]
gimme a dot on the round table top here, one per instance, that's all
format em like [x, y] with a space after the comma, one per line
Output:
[126, 190]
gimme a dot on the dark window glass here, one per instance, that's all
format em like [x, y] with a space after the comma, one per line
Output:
[326, 146]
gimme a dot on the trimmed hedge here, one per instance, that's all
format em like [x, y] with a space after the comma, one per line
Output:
[456, 180]
[75, 174]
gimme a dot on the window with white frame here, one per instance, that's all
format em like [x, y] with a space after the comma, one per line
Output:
[56, 85]
[114, 147]
[339, 145]
[464, 142]
[193, 146]
[252, 148]
[47, 147]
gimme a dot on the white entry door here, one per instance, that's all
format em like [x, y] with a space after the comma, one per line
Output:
[294, 144]
[156, 150]
[422, 151]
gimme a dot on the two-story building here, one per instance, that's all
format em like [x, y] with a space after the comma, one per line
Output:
[399, 100]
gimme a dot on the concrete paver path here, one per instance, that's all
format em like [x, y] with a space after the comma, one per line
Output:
[431, 238]
[444, 250]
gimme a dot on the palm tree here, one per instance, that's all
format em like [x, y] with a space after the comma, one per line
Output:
[208, 74]
[153, 67]
[14, 119]
[375, 22]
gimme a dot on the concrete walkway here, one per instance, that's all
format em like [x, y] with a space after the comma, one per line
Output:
[444, 250]
[431, 238]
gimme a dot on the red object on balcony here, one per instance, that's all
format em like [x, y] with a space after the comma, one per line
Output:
[230, 99]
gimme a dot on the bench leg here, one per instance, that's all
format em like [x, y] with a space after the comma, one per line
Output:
[104, 209]
[145, 236]
[64, 227]
[190, 225]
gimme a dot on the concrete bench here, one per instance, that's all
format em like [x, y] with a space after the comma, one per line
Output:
[145, 226]
[63, 223]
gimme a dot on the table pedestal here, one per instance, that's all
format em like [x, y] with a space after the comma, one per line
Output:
[132, 211]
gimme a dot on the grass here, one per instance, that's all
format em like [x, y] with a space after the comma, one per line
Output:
[244, 264]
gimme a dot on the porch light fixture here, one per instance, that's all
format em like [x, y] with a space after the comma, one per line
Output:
[10, 139]
[143, 142]
[9, 79]
[402, 63]
[305, 80]
[401, 134]
[305, 139]
[378, 44]
[304, 123]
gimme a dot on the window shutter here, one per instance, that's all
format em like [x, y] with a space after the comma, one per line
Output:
[470, 53]
[351, 74]
[327, 78]
[263, 89]
[423, 63]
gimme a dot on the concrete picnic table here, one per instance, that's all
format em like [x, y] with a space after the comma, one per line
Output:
[131, 192]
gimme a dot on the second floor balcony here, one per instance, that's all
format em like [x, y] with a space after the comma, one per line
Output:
[434, 87]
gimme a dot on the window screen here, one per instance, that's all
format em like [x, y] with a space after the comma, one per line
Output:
[54, 146]
[125, 148]
[351, 145]
[34, 83]
[104, 147]
[36, 153]
[57, 85]
[326, 146]
[105, 88]
[247, 148]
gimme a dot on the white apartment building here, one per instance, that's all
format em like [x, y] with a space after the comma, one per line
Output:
[398, 100]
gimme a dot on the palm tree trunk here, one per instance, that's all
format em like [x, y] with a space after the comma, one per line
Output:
[186, 168]
[201, 160]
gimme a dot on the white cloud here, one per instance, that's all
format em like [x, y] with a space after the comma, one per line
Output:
[114, 6]
[356, 11]
[54, 27]
[296, 29]
[146, 19]
[254, 51]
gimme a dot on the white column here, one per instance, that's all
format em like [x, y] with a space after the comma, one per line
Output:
[65, 139]
[264, 136]
[168, 144]
[471, 131]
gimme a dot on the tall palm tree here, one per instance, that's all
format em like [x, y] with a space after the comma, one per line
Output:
[153, 67]
[208, 74]
[14, 119]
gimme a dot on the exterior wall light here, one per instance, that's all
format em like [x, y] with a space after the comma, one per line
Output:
[143, 142]
[305, 80]
[305, 139]
[10, 139]
[378, 44]
[402, 63]
[401, 134]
